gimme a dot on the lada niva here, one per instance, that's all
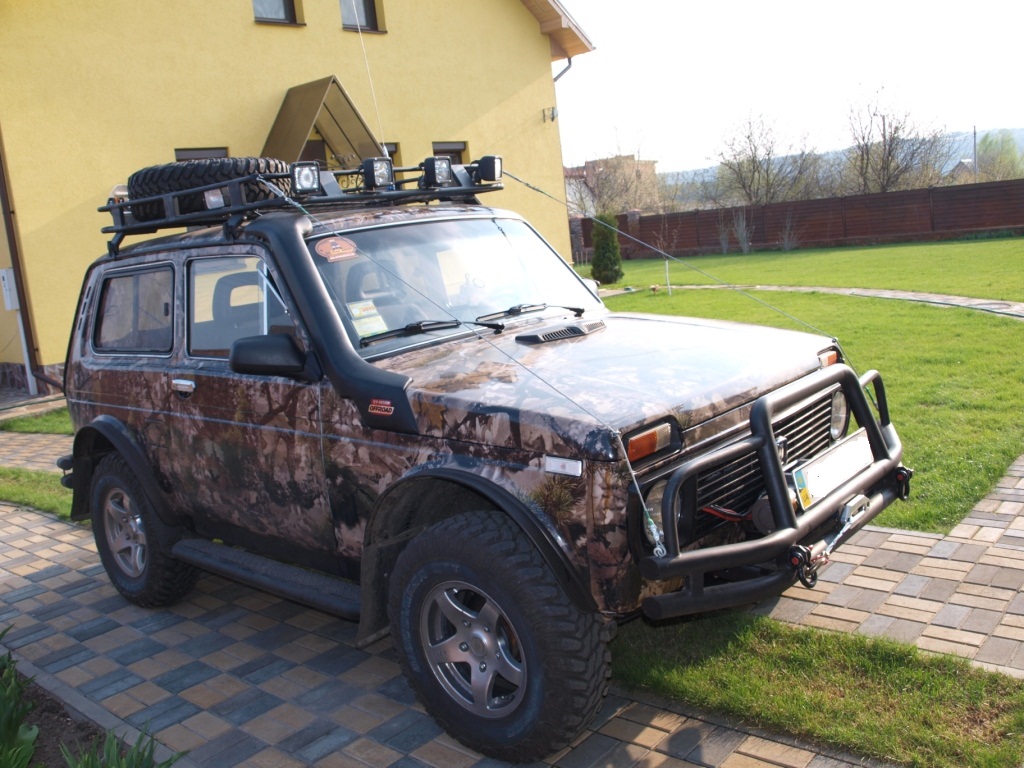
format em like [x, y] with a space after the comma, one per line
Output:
[370, 393]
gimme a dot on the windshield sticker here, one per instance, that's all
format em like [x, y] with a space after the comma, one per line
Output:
[336, 248]
[366, 318]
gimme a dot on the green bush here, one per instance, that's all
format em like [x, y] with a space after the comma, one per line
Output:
[109, 755]
[17, 740]
[606, 266]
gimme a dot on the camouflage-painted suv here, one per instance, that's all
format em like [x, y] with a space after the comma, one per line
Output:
[399, 406]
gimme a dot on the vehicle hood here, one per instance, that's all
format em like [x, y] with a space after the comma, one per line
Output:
[569, 397]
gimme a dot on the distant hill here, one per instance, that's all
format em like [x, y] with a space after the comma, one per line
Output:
[964, 150]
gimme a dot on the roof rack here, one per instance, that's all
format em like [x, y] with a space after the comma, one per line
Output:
[304, 186]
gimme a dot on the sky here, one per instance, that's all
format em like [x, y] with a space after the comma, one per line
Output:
[672, 80]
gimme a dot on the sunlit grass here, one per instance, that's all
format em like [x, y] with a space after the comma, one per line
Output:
[873, 697]
[39, 490]
[990, 269]
[56, 422]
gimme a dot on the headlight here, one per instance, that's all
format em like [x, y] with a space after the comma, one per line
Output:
[840, 419]
[653, 502]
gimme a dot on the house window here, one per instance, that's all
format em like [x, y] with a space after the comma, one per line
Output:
[276, 11]
[456, 150]
[391, 147]
[359, 14]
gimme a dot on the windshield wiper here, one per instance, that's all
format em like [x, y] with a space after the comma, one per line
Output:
[521, 309]
[425, 326]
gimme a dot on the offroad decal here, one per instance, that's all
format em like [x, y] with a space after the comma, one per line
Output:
[381, 407]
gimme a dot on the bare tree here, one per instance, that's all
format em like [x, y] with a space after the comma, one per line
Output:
[757, 170]
[724, 230]
[890, 153]
[743, 228]
[789, 236]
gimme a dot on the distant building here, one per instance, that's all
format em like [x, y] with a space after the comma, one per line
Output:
[962, 173]
[613, 185]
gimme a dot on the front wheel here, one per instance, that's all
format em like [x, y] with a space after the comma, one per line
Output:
[133, 542]
[490, 641]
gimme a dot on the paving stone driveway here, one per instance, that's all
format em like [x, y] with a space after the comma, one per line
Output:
[239, 677]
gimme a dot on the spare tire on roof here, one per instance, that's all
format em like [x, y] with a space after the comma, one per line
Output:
[176, 177]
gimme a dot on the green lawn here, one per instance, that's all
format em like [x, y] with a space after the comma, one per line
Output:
[56, 422]
[991, 269]
[872, 697]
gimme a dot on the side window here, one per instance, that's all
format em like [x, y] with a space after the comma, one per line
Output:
[135, 313]
[229, 299]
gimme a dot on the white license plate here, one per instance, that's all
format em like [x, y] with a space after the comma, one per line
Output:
[822, 475]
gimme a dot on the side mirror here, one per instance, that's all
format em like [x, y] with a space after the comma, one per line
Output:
[592, 285]
[271, 355]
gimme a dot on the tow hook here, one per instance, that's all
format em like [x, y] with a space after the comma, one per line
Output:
[806, 564]
[903, 475]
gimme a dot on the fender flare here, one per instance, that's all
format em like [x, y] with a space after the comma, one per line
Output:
[376, 566]
[104, 435]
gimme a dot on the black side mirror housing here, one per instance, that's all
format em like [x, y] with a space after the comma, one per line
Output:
[271, 355]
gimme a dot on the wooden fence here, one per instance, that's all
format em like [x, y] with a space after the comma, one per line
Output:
[938, 213]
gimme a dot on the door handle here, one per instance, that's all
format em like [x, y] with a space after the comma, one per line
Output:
[183, 387]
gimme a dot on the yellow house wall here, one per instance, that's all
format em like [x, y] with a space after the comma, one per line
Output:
[93, 91]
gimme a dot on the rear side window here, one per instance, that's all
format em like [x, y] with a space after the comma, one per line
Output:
[135, 313]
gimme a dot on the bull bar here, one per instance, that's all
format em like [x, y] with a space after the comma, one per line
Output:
[875, 488]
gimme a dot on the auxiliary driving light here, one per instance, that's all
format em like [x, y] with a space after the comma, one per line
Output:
[437, 172]
[305, 178]
[488, 168]
[378, 172]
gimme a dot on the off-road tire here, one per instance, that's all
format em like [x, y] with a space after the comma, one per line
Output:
[175, 177]
[133, 543]
[480, 571]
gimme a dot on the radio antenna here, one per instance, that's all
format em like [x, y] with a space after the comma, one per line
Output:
[369, 78]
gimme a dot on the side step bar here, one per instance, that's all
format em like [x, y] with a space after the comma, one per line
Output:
[317, 590]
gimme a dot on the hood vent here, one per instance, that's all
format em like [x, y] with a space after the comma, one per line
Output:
[561, 332]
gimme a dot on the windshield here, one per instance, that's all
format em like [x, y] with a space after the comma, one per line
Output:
[423, 273]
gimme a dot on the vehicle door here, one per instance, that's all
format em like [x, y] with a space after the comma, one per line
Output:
[250, 467]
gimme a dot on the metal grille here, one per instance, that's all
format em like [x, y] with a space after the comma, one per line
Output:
[739, 483]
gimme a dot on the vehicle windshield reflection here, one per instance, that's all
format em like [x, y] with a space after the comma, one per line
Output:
[401, 284]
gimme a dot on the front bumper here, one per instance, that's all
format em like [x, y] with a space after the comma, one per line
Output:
[822, 527]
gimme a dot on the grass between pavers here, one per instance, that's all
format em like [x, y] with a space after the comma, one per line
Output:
[988, 269]
[57, 422]
[952, 377]
[869, 696]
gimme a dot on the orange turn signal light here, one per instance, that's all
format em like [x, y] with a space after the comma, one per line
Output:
[649, 442]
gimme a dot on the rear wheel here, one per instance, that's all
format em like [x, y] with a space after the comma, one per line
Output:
[493, 646]
[133, 543]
